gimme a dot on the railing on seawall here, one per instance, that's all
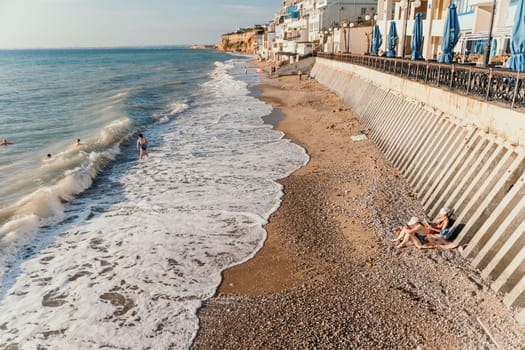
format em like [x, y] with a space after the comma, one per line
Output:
[490, 84]
[447, 159]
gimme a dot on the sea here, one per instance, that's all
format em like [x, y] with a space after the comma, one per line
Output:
[101, 250]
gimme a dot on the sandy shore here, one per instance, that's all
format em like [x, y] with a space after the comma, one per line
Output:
[328, 276]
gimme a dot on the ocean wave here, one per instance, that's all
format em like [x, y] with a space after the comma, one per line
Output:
[173, 225]
[173, 109]
[120, 96]
[62, 177]
[68, 173]
[46, 205]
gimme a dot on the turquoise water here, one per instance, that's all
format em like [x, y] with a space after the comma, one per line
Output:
[99, 249]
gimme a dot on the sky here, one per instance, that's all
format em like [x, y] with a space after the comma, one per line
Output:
[113, 23]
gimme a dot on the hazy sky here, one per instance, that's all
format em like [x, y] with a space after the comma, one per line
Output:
[93, 23]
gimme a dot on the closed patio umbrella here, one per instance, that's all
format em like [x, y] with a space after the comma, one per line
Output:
[478, 47]
[377, 40]
[516, 61]
[393, 40]
[450, 35]
[417, 38]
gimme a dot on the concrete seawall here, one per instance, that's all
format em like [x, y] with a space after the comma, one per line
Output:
[455, 152]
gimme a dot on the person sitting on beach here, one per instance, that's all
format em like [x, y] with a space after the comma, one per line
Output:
[142, 147]
[442, 223]
[414, 231]
[425, 237]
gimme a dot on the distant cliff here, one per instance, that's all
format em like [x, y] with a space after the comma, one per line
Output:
[241, 41]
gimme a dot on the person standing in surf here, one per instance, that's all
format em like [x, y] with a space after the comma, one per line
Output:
[142, 147]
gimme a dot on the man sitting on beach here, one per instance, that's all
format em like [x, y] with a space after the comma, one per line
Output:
[442, 223]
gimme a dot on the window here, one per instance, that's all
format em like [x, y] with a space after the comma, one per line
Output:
[363, 11]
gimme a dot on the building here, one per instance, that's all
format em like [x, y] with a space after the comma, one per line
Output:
[300, 26]
[403, 13]
[475, 18]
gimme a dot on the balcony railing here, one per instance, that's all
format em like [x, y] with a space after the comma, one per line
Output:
[490, 84]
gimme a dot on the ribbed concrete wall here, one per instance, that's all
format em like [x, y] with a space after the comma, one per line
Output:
[451, 161]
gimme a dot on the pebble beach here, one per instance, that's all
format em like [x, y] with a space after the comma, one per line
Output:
[328, 276]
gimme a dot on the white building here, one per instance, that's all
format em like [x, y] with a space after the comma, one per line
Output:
[475, 17]
[304, 22]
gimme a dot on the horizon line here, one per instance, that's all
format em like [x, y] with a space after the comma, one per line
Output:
[101, 47]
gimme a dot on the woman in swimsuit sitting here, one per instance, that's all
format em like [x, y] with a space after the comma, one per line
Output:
[414, 231]
[142, 147]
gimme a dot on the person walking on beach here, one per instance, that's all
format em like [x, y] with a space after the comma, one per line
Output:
[142, 147]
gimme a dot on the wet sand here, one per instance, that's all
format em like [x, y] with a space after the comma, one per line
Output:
[328, 276]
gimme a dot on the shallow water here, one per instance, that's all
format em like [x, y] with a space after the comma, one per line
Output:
[126, 263]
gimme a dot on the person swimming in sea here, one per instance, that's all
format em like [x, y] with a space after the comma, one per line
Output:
[142, 147]
[78, 143]
[5, 142]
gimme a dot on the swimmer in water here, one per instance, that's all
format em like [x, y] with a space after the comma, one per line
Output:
[78, 143]
[142, 147]
[5, 142]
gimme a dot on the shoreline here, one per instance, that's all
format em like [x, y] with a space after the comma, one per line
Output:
[327, 275]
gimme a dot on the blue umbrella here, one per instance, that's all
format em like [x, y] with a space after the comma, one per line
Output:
[417, 38]
[450, 35]
[494, 47]
[393, 40]
[377, 40]
[516, 61]
[478, 47]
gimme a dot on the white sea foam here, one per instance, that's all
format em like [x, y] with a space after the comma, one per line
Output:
[132, 271]
[120, 95]
[174, 109]
[177, 108]
[61, 177]
[45, 206]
